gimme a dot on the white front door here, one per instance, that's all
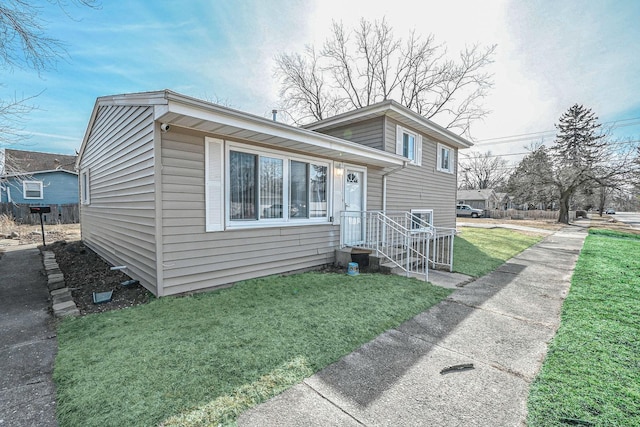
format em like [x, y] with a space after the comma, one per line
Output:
[354, 184]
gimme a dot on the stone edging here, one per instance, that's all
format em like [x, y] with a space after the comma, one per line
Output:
[62, 302]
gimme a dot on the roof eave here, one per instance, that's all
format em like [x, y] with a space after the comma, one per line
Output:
[192, 113]
[399, 112]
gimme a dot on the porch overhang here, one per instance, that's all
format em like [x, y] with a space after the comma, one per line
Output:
[191, 113]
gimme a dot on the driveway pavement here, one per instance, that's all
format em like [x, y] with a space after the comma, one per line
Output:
[468, 361]
[27, 340]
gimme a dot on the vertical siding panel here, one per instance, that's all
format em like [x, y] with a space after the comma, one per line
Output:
[119, 223]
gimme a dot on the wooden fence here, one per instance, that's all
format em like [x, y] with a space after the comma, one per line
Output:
[531, 214]
[60, 214]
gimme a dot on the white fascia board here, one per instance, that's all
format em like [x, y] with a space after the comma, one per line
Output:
[447, 136]
[31, 173]
[257, 124]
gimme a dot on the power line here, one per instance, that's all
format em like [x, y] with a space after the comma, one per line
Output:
[635, 141]
[532, 135]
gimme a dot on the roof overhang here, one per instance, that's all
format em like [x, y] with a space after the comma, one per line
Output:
[399, 113]
[191, 113]
[31, 173]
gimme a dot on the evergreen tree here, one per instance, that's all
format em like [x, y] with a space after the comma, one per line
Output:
[577, 154]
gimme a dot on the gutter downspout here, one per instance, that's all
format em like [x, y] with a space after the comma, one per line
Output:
[384, 184]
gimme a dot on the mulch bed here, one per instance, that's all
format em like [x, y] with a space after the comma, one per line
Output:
[86, 273]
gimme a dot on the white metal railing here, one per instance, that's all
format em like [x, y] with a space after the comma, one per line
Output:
[406, 240]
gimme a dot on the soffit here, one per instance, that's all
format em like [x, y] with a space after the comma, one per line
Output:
[232, 124]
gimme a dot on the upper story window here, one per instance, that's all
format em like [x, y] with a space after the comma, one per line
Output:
[409, 145]
[445, 159]
[32, 189]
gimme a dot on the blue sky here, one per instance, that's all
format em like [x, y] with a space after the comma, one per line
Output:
[550, 55]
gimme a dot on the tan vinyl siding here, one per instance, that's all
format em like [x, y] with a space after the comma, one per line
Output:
[374, 189]
[423, 186]
[415, 187]
[195, 259]
[119, 223]
[368, 132]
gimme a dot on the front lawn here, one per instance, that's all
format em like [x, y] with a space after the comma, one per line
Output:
[591, 375]
[204, 359]
[209, 356]
[478, 251]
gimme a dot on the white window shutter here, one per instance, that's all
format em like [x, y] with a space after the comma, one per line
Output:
[338, 183]
[418, 160]
[399, 141]
[214, 189]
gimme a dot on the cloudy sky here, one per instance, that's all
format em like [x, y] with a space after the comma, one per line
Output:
[550, 55]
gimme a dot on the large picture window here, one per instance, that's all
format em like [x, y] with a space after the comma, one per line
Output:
[268, 187]
[243, 190]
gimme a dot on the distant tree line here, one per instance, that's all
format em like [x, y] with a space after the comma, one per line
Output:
[584, 169]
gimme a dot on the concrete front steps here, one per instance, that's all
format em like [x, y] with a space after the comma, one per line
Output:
[374, 264]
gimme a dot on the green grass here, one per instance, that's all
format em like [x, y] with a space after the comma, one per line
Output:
[203, 359]
[591, 375]
[478, 251]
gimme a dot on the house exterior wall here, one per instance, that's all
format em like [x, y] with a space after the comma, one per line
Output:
[118, 223]
[58, 188]
[368, 132]
[195, 259]
[415, 187]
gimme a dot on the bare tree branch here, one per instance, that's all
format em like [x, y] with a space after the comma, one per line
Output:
[479, 171]
[25, 44]
[369, 64]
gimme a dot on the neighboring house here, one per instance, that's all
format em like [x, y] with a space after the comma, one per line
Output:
[505, 201]
[190, 195]
[29, 178]
[486, 199]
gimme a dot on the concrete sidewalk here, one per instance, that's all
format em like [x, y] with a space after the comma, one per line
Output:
[500, 323]
[27, 340]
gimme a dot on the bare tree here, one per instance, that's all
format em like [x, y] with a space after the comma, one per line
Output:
[526, 184]
[25, 44]
[359, 67]
[478, 171]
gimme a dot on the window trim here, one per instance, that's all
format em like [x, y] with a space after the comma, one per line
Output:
[286, 220]
[417, 145]
[85, 187]
[40, 189]
[439, 167]
[419, 210]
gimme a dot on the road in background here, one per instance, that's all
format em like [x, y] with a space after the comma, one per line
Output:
[630, 218]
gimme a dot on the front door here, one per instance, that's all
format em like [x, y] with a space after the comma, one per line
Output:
[354, 205]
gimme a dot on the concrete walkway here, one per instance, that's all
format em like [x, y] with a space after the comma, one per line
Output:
[27, 340]
[496, 329]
